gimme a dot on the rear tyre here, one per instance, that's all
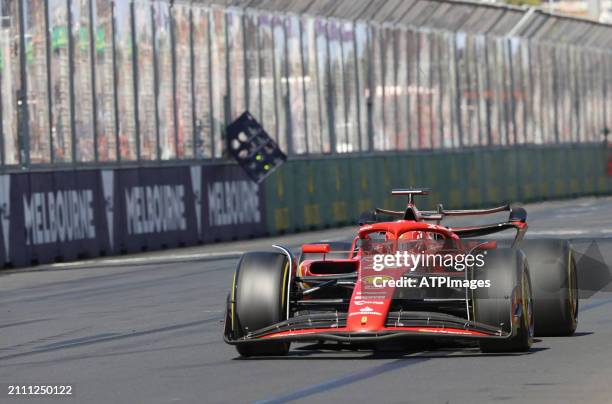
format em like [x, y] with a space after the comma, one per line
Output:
[507, 303]
[259, 300]
[555, 287]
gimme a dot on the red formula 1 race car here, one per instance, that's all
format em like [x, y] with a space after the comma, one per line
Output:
[407, 277]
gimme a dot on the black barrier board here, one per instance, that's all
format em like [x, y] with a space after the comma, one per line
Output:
[154, 208]
[68, 215]
[50, 217]
[232, 206]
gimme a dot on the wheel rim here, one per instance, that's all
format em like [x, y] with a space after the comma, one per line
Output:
[528, 305]
[572, 292]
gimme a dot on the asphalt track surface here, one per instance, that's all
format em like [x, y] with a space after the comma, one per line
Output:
[147, 329]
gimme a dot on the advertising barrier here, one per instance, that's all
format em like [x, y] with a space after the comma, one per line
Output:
[66, 215]
[233, 206]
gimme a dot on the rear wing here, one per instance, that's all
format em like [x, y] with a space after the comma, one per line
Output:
[517, 218]
[516, 214]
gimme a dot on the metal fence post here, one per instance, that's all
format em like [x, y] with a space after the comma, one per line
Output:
[1, 130]
[22, 96]
[532, 115]
[357, 84]
[512, 97]
[210, 83]
[555, 79]
[320, 95]
[194, 119]
[135, 76]
[304, 98]
[73, 133]
[247, 89]
[487, 85]
[331, 114]
[440, 87]
[383, 77]
[171, 13]
[369, 102]
[457, 93]
[158, 151]
[431, 39]
[287, 95]
[92, 61]
[259, 70]
[227, 97]
[394, 49]
[49, 87]
[115, 84]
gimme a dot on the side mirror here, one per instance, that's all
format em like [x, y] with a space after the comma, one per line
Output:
[315, 248]
[518, 215]
[367, 218]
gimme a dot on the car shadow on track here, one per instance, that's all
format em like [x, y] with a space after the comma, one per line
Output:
[330, 352]
[582, 334]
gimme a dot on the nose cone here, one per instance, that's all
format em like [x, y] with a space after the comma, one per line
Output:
[360, 321]
[367, 313]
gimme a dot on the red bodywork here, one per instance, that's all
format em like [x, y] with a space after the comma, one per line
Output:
[369, 319]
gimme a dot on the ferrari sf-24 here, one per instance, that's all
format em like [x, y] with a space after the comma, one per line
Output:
[376, 291]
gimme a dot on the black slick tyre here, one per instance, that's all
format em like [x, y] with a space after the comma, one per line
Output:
[259, 299]
[555, 286]
[507, 303]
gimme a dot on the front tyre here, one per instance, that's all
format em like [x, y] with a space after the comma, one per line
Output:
[259, 299]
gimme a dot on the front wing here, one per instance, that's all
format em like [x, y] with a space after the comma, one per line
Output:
[399, 325]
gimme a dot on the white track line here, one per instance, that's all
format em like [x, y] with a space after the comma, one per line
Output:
[148, 260]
